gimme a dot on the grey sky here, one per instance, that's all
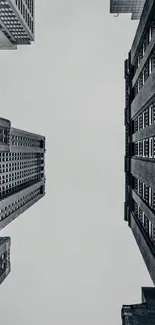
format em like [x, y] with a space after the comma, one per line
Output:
[74, 260]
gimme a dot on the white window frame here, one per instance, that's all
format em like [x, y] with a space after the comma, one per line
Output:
[150, 65]
[138, 61]
[151, 115]
[143, 81]
[138, 186]
[138, 148]
[151, 147]
[142, 121]
[150, 34]
[150, 229]
[143, 191]
[138, 124]
[138, 210]
[143, 50]
[150, 196]
[138, 85]
[143, 148]
[143, 218]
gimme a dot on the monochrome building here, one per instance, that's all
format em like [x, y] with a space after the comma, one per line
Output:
[22, 178]
[143, 313]
[16, 23]
[140, 137]
[135, 7]
[5, 266]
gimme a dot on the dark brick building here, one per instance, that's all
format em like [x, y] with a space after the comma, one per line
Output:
[140, 137]
[141, 314]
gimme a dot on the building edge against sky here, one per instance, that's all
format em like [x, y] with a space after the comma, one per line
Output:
[127, 6]
[142, 313]
[22, 171]
[16, 23]
[140, 137]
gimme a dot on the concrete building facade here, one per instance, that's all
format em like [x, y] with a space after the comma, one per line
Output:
[16, 23]
[5, 266]
[140, 137]
[22, 176]
[135, 7]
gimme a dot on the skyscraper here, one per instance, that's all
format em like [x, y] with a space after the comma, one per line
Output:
[140, 137]
[16, 23]
[143, 313]
[127, 6]
[5, 266]
[22, 177]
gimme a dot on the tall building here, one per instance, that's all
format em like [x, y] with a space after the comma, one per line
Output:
[140, 137]
[16, 23]
[5, 266]
[143, 313]
[22, 177]
[127, 6]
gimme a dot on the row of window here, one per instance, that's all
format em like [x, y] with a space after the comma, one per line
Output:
[147, 40]
[26, 15]
[19, 176]
[16, 205]
[24, 141]
[145, 222]
[12, 23]
[28, 3]
[15, 156]
[11, 167]
[13, 186]
[145, 119]
[19, 173]
[144, 148]
[4, 261]
[144, 191]
[4, 135]
[21, 163]
[145, 73]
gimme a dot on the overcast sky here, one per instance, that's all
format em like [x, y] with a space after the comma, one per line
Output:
[74, 259]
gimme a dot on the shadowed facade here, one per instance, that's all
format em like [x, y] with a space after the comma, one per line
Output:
[140, 137]
[127, 6]
[143, 313]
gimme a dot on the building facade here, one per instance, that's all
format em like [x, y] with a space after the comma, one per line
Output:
[140, 137]
[5, 266]
[22, 176]
[127, 6]
[16, 23]
[143, 313]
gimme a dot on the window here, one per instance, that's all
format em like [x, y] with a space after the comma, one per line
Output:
[151, 115]
[150, 229]
[150, 147]
[150, 34]
[138, 85]
[144, 154]
[143, 79]
[150, 196]
[140, 215]
[153, 233]
[150, 65]
[146, 224]
[138, 123]
[143, 49]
